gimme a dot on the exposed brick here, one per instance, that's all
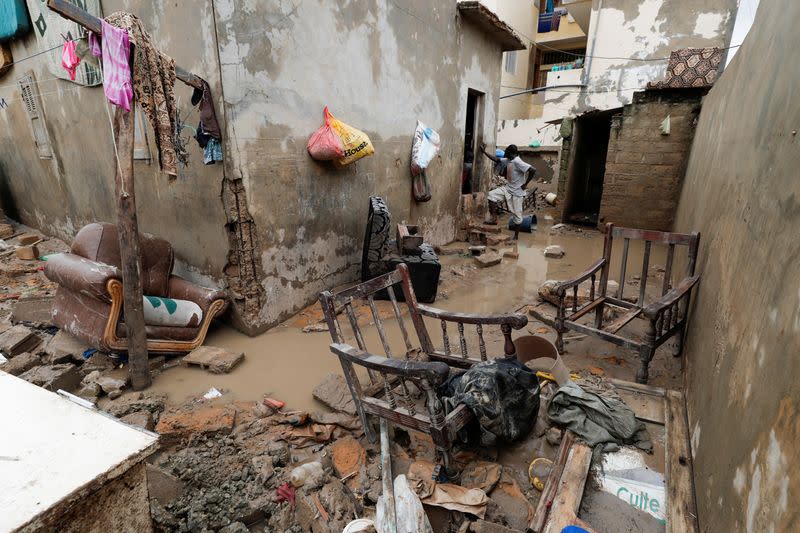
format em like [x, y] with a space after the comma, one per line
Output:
[210, 420]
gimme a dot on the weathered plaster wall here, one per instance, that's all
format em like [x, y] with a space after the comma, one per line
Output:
[522, 15]
[61, 195]
[622, 29]
[380, 66]
[742, 192]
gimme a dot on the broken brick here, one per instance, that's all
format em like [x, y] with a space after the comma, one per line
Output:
[487, 260]
[64, 345]
[21, 363]
[142, 419]
[177, 425]
[215, 360]
[348, 456]
[17, 340]
[54, 377]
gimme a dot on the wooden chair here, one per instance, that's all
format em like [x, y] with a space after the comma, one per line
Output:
[666, 316]
[387, 394]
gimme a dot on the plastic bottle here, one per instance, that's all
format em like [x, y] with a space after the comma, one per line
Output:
[306, 472]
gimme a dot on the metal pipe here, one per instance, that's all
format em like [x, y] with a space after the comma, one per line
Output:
[537, 89]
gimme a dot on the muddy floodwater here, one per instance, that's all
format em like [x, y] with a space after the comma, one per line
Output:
[286, 363]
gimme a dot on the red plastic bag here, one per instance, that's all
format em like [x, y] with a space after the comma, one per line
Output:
[325, 144]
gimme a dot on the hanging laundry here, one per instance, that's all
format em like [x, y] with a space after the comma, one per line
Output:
[116, 69]
[154, 83]
[212, 151]
[69, 58]
[208, 116]
[94, 44]
[84, 50]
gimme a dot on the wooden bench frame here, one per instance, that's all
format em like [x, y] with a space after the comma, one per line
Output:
[425, 366]
[667, 316]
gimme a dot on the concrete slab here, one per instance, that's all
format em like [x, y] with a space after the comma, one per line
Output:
[215, 360]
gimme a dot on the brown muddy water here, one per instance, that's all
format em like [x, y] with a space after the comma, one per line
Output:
[286, 363]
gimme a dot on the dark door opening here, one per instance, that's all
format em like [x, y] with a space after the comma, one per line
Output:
[588, 168]
[470, 177]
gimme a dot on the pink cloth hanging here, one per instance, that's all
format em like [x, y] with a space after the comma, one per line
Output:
[69, 58]
[94, 44]
[116, 68]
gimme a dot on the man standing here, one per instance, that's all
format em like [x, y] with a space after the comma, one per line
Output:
[517, 174]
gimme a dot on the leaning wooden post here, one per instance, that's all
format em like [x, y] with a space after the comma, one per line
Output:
[128, 230]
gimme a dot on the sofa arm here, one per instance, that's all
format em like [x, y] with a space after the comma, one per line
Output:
[81, 275]
[182, 289]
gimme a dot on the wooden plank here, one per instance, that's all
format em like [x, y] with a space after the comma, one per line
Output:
[586, 309]
[610, 300]
[408, 239]
[567, 501]
[610, 337]
[387, 479]
[623, 267]
[619, 323]
[638, 387]
[551, 484]
[87, 20]
[660, 237]
[667, 285]
[645, 269]
[681, 507]
[128, 230]
[398, 415]
[646, 407]
[456, 420]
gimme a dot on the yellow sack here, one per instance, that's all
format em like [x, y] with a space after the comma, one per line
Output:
[356, 143]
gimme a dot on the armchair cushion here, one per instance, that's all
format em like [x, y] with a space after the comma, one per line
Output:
[182, 289]
[160, 311]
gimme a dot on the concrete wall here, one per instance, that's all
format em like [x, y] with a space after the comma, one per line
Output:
[645, 168]
[742, 192]
[522, 15]
[641, 29]
[272, 225]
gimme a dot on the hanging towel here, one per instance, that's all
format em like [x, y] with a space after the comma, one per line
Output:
[212, 151]
[69, 58]
[94, 44]
[154, 84]
[116, 69]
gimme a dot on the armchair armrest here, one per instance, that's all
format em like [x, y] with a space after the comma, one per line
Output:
[182, 289]
[81, 275]
[515, 320]
[562, 286]
[656, 308]
[435, 372]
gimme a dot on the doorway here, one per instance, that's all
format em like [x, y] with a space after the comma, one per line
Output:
[473, 136]
[588, 167]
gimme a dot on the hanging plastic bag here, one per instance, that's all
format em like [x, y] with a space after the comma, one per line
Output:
[424, 148]
[325, 144]
[356, 142]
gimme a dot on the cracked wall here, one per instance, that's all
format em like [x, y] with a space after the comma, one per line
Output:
[742, 193]
[380, 66]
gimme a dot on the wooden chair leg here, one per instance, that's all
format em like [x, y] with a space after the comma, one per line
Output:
[677, 348]
[559, 340]
[646, 352]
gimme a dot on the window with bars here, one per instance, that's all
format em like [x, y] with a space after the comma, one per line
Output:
[554, 57]
[33, 105]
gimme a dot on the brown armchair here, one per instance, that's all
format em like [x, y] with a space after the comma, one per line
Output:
[88, 302]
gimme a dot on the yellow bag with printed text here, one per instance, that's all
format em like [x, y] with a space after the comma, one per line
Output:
[356, 143]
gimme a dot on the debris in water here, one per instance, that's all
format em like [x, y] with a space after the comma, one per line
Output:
[212, 393]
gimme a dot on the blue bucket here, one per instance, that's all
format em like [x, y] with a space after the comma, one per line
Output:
[528, 222]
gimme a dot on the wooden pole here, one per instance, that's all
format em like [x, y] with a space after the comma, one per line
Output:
[388, 481]
[127, 225]
[128, 230]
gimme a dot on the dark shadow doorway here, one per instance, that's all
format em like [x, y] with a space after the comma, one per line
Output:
[588, 168]
[473, 129]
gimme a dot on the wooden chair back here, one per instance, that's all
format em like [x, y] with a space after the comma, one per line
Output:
[690, 241]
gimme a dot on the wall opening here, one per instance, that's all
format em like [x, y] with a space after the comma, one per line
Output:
[587, 171]
[473, 128]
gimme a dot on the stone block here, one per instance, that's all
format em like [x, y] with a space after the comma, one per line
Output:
[488, 259]
[334, 392]
[21, 363]
[180, 424]
[33, 310]
[215, 360]
[18, 339]
[142, 419]
[63, 345]
[162, 485]
[54, 377]
[554, 251]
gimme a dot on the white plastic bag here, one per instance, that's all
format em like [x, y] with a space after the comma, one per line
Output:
[424, 149]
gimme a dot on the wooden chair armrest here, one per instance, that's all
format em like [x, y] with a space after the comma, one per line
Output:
[679, 291]
[515, 320]
[433, 371]
[561, 287]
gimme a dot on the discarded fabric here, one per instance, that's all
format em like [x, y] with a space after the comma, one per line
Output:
[597, 420]
[212, 151]
[502, 394]
[69, 58]
[117, 84]
[286, 493]
[447, 495]
[153, 82]
[208, 115]
[410, 516]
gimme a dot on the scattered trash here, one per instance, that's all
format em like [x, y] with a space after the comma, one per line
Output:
[88, 353]
[3, 359]
[212, 393]
[309, 474]
[315, 328]
[325, 144]
[538, 471]
[554, 251]
[273, 403]
[356, 143]
[286, 493]
[625, 475]
[450, 496]
[550, 198]
[410, 516]
[360, 525]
